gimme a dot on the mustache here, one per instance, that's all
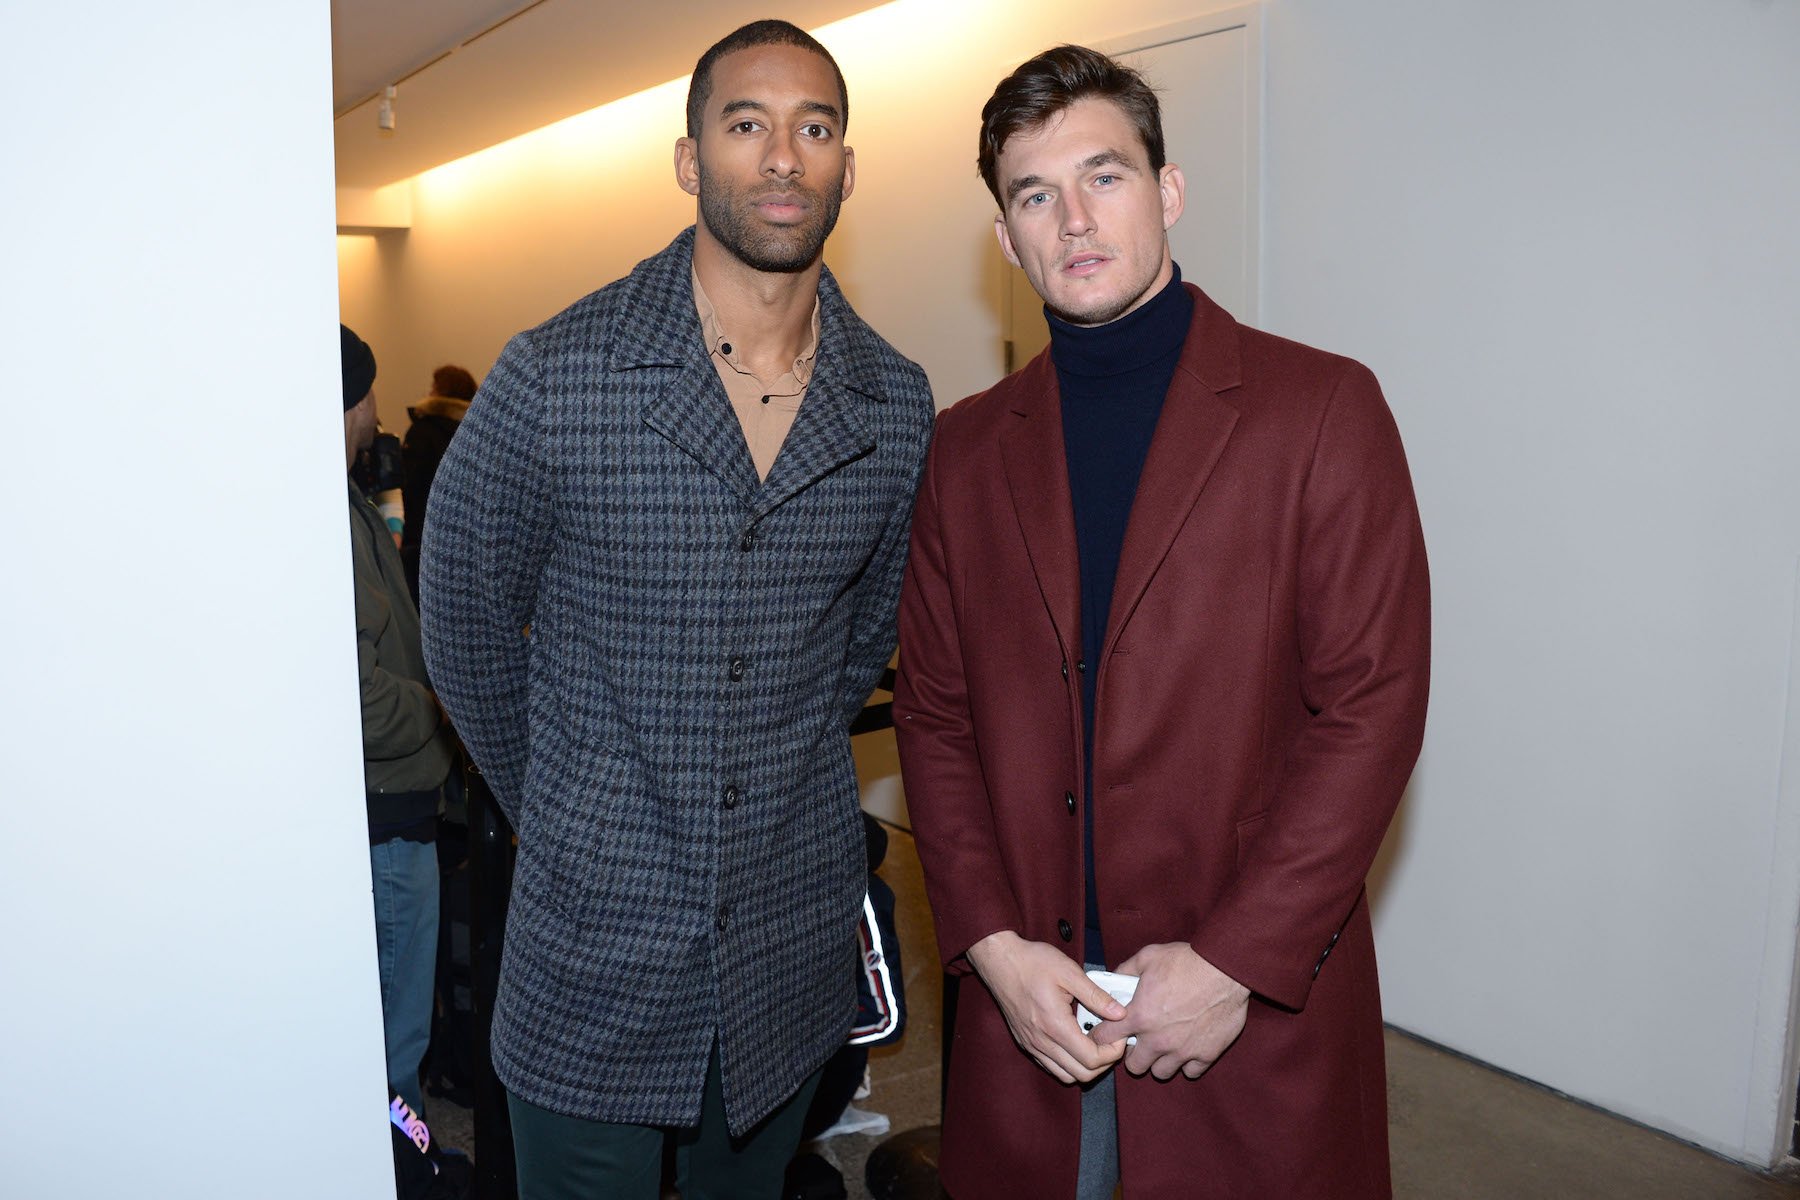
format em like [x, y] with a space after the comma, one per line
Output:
[1105, 251]
[782, 191]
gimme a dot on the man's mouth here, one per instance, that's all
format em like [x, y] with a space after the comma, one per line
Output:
[1085, 263]
[780, 206]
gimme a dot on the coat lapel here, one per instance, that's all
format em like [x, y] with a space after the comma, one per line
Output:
[827, 433]
[1037, 475]
[829, 430]
[692, 411]
[1191, 435]
[657, 331]
[658, 328]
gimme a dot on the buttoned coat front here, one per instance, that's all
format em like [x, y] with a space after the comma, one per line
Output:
[1260, 704]
[654, 656]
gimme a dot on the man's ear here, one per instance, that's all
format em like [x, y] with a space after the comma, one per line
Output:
[849, 172]
[687, 164]
[1006, 246]
[1174, 194]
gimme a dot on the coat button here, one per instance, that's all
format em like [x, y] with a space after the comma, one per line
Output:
[1069, 799]
[724, 917]
[736, 670]
[748, 541]
[1081, 665]
[1065, 930]
[1065, 668]
[731, 795]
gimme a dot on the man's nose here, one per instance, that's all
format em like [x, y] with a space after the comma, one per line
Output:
[782, 158]
[1077, 218]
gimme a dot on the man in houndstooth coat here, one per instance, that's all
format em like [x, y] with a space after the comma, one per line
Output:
[660, 578]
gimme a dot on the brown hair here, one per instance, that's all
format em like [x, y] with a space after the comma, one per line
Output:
[453, 383]
[1043, 86]
[757, 33]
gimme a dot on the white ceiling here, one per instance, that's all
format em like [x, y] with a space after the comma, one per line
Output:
[545, 60]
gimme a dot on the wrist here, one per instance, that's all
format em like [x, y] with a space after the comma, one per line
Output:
[988, 947]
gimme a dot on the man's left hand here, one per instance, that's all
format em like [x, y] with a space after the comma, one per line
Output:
[1186, 1012]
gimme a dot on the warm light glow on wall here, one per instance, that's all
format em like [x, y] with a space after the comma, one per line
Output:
[898, 34]
[586, 139]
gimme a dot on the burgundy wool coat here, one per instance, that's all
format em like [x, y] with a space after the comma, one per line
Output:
[1260, 705]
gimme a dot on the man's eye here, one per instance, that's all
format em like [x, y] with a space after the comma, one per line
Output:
[815, 131]
[744, 127]
[1037, 199]
[1103, 180]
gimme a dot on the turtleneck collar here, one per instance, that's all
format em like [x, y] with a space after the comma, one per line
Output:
[1153, 331]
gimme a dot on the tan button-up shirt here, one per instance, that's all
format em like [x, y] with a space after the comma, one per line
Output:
[766, 411]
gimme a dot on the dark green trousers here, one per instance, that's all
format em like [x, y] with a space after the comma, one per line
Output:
[568, 1158]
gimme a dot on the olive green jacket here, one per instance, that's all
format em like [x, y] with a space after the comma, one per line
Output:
[406, 748]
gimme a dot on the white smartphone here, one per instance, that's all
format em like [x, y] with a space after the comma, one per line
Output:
[1120, 987]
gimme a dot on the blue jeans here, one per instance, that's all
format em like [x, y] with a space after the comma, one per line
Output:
[405, 875]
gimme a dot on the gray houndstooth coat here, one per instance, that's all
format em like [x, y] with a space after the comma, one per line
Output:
[653, 656]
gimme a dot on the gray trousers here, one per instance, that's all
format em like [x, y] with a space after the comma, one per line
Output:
[1098, 1175]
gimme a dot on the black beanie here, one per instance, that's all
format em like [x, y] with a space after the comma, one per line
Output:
[359, 367]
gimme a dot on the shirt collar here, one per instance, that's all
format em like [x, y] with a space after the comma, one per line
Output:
[721, 346]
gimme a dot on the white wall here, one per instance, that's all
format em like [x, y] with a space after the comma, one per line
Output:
[1564, 236]
[188, 996]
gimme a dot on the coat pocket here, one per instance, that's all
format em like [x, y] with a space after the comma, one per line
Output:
[572, 794]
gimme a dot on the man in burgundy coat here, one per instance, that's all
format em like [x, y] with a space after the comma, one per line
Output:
[1164, 654]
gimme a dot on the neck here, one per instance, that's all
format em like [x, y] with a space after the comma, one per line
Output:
[1153, 330]
[769, 313]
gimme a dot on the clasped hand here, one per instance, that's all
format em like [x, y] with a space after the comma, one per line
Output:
[1186, 1013]
[1036, 987]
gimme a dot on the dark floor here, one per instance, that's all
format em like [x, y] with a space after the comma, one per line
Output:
[1459, 1130]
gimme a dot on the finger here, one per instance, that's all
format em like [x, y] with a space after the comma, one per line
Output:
[1080, 1067]
[1131, 966]
[1098, 1000]
[1166, 1067]
[1049, 1064]
[1112, 1032]
[1084, 1054]
[1194, 1068]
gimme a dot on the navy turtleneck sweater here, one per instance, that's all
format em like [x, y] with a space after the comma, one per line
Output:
[1112, 379]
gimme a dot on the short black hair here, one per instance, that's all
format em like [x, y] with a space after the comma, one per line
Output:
[757, 33]
[1043, 86]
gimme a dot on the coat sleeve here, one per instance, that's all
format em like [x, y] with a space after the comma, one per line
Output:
[398, 714]
[485, 545]
[1363, 622]
[946, 790]
[872, 629]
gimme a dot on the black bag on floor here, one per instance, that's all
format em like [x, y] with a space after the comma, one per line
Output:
[421, 1170]
[810, 1177]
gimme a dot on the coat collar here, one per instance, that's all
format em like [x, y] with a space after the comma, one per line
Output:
[1191, 434]
[655, 325]
[435, 405]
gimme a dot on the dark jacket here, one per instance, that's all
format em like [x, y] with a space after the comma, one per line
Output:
[654, 657]
[434, 423]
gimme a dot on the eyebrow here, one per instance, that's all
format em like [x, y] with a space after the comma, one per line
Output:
[733, 107]
[1103, 159]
